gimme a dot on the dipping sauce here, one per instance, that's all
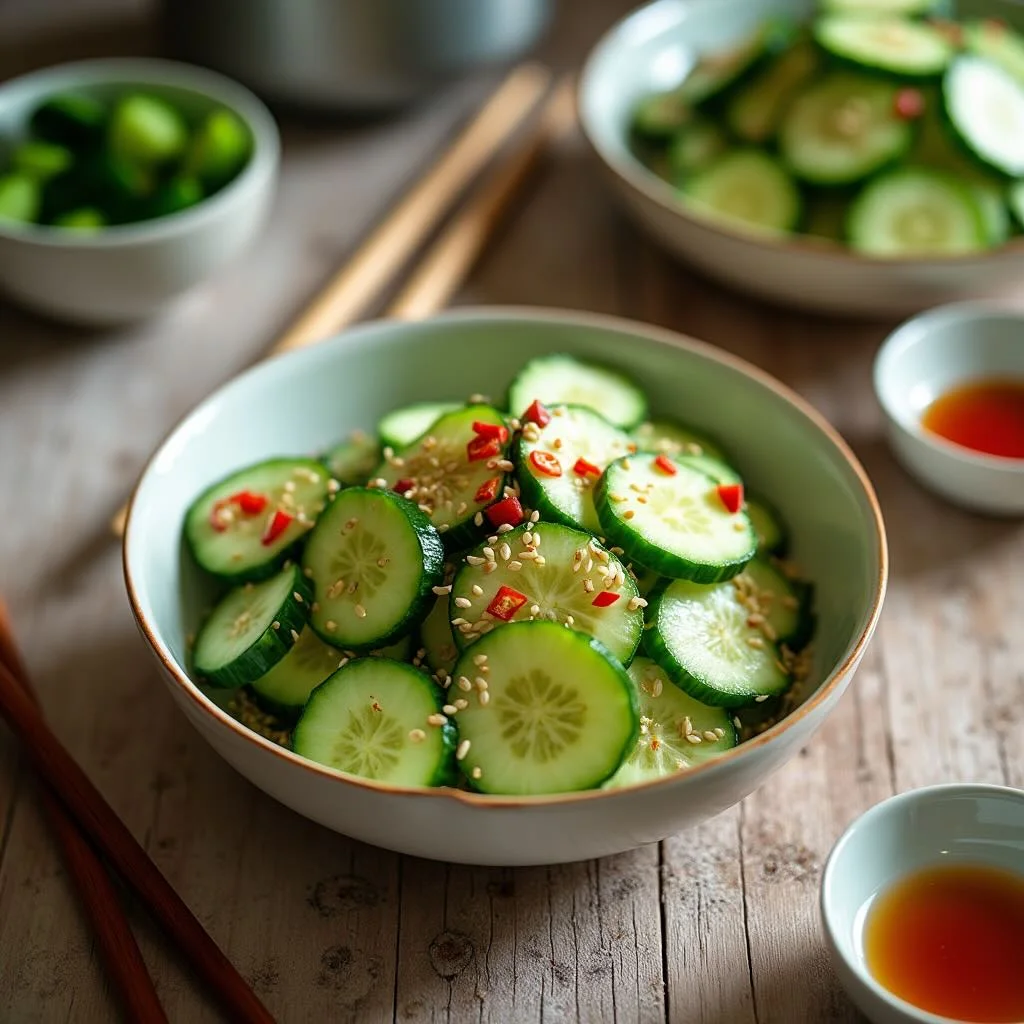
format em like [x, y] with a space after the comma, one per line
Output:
[950, 940]
[986, 416]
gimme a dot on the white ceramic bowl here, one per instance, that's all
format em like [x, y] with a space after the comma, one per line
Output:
[652, 49]
[920, 361]
[937, 825]
[130, 271]
[309, 399]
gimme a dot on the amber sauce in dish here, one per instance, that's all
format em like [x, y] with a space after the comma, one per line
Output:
[986, 416]
[950, 940]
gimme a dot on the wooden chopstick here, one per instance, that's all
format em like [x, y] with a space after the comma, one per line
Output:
[84, 802]
[118, 948]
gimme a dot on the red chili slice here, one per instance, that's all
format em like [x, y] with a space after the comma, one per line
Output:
[666, 465]
[605, 598]
[508, 510]
[909, 104]
[277, 525]
[489, 430]
[537, 413]
[488, 491]
[506, 603]
[731, 496]
[481, 448]
[546, 463]
[251, 504]
[403, 485]
[583, 468]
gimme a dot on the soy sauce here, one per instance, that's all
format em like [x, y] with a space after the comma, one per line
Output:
[986, 416]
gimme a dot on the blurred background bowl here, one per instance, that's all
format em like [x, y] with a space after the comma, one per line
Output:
[129, 271]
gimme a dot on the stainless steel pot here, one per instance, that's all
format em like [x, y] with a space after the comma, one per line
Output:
[349, 54]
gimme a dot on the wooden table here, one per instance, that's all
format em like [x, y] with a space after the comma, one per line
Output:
[717, 926]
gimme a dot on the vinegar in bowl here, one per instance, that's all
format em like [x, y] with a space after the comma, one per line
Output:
[986, 416]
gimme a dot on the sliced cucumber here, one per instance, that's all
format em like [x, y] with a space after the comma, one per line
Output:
[676, 731]
[20, 200]
[985, 106]
[997, 42]
[770, 527]
[695, 147]
[916, 212]
[374, 718]
[994, 212]
[558, 465]
[246, 525]
[843, 128]
[718, 469]
[403, 426]
[896, 8]
[551, 572]
[563, 380]
[755, 112]
[353, 461]
[286, 687]
[671, 438]
[373, 558]
[701, 637]
[887, 43]
[252, 628]
[750, 187]
[784, 604]
[452, 472]
[659, 117]
[1015, 198]
[559, 716]
[437, 639]
[673, 522]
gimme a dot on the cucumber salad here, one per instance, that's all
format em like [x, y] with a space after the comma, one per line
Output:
[883, 125]
[550, 594]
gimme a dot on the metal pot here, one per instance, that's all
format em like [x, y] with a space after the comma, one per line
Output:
[349, 54]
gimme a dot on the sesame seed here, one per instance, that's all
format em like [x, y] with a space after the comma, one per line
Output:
[442, 591]
[315, 606]
[739, 526]
[515, 565]
[295, 636]
[480, 683]
[489, 553]
[528, 539]
[692, 737]
[466, 627]
[308, 573]
[464, 684]
[505, 551]
[485, 698]
[479, 659]
[490, 566]
[458, 622]
[289, 486]
[343, 662]
[570, 621]
[529, 555]
[462, 750]
[505, 465]
[275, 624]
[761, 699]
[736, 721]
[710, 736]
[535, 609]
[436, 720]
[656, 687]
[382, 562]
[330, 625]
[477, 590]
[756, 619]
[478, 519]
[475, 560]
[333, 486]
[360, 611]
[297, 596]
[504, 528]
[719, 732]
[476, 772]
[417, 735]
[450, 709]
[756, 642]
[535, 516]
[461, 703]
[628, 514]
[463, 602]
[461, 510]
[492, 541]
[443, 528]
[352, 523]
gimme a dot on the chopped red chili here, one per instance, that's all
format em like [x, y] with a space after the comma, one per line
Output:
[403, 485]
[508, 510]
[605, 598]
[251, 504]
[731, 496]
[279, 522]
[584, 468]
[545, 463]
[506, 603]
[537, 413]
[666, 465]
[491, 430]
[909, 104]
[481, 448]
[488, 491]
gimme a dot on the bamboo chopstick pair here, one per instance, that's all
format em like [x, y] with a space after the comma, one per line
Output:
[86, 828]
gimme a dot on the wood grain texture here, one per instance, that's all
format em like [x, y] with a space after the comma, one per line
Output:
[716, 926]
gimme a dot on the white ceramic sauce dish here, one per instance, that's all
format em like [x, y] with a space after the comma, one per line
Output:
[930, 827]
[923, 359]
[130, 271]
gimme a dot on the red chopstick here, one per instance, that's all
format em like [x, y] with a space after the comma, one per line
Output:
[80, 799]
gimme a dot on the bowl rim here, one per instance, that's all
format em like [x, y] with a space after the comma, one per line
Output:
[914, 331]
[155, 71]
[632, 172]
[540, 316]
[898, 803]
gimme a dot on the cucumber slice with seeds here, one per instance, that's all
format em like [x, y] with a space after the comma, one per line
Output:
[252, 628]
[676, 731]
[886, 43]
[438, 640]
[403, 426]
[916, 212]
[560, 711]
[700, 637]
[783, 603]
[843, 128]
[285, 689]
[353, 461]
[373, 558]
[231, 530]
[997, 42]
[985, 106]
[670, 438]
[552, 478]
[673, 523]
[370, 719]
[693, 149]
[555, 573]
[563, 380]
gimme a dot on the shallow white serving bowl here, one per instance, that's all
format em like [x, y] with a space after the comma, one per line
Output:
[308, 399]
[937, 825]
[130, 271]
[652, 49]
[920, 361]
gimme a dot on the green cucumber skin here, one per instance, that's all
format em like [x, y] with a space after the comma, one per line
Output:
[533, 494]
[841, 61]
[270, 647]
[781, 547]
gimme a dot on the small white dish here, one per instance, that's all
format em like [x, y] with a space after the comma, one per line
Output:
[130, 271]
[936, 825]
[924, 358]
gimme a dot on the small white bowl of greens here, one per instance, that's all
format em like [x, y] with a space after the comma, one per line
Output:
[860, 156]
[125, 182]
